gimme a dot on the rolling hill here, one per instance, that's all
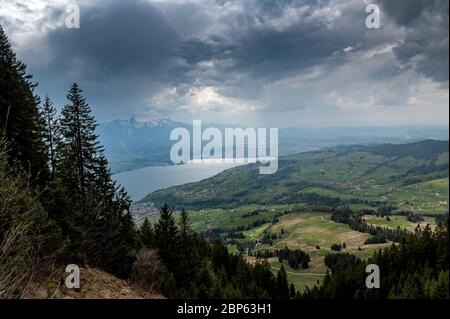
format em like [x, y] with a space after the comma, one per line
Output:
[254, 213]
[409, 177]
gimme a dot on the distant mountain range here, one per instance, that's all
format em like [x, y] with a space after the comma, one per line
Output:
[132, 144]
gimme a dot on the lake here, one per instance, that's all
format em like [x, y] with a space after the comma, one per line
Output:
[143, 181]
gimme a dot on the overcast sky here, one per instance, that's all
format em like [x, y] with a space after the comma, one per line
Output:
[253, 62]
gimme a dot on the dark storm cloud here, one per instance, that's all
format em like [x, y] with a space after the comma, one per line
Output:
[264, 41]
[119, 39]
[137, 38]
[425, 45]
[404, 12]
[194, 51]
[142, 56]
[122, 53]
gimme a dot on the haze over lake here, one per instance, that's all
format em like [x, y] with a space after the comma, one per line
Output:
[141, 182]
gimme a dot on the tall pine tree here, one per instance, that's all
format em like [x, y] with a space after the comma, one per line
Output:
[185, 226]
[79, 147]
[282, 284]
[103, 215]
[166, 234]
[20, 120]
[51, 131]
[146, 233]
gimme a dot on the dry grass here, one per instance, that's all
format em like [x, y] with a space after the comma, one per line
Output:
[94, 284]
[20, 214]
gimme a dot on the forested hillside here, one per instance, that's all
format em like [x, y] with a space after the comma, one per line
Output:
[59, 202]
[415, 269]
[412, 177]
[59, 205]
[245, 235]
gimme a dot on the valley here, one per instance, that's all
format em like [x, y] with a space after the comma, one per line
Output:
[384, 184]
[245, 229]
[228, 156]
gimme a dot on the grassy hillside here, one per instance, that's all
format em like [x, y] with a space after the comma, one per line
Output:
[411, 177]
[311, 231]
[255, 213]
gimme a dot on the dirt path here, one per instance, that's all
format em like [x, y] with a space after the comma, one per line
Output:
[301, 273]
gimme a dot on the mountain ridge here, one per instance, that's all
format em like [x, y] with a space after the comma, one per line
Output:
[131, 144]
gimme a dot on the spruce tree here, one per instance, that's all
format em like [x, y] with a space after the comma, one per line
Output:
[20, 120]
[101, 206]
[166, 234]
[103, 184]
[184, 225]
[51, 131]
[79, 149]
[441, 289]
[292, 292]
[146, 233]
[282, 284]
